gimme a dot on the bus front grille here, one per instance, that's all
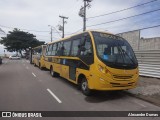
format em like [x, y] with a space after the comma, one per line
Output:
[122, 77]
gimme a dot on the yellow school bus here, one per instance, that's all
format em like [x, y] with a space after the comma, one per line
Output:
[38, 56]
[93, 60]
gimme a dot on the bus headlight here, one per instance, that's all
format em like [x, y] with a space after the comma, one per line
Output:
[101, 69]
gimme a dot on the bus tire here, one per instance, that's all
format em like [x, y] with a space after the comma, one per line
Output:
[53, 74]
[84, 87]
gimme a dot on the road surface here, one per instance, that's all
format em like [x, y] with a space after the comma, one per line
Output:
[24, 87]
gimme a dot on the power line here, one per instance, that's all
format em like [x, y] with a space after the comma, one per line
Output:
[122, 9]
[25, 29]
[134, 22]
[115, 20]
[30, 30]
[124, 18]
[41, 35]
[37, 35]
[56, 31]
[75, 32]
[149, 27]
[21, 29]
[38, 31]
[21, 37]
[141, 28]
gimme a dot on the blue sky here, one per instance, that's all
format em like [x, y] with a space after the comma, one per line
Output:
[38, 14]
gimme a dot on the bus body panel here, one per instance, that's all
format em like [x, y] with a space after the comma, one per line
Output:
[64, 71]
[47, 63]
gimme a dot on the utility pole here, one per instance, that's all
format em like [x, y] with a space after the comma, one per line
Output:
[63, 20]
[84, 18]
[82, 12]
[51, 32]
[51, 35]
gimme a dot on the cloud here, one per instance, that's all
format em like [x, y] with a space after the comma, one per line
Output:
[38, 14]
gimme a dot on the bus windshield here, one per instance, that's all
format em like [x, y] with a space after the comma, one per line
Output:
[114, 51]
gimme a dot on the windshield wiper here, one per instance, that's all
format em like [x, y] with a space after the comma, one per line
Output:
[123, 51]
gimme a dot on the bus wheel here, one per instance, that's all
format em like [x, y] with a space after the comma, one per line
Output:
[34, 64]
[53, 74]
[84, 87]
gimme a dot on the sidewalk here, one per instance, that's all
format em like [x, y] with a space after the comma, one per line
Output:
[148, 89]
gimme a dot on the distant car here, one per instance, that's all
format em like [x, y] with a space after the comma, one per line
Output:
[14, 57]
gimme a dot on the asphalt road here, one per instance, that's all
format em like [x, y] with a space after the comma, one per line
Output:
[24, 87]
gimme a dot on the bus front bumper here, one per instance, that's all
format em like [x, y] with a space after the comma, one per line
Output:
[110, 84]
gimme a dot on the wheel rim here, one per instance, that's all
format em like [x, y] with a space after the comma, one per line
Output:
[84, 85]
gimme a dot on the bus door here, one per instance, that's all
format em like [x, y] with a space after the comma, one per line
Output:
[73, 63]
[72, 69]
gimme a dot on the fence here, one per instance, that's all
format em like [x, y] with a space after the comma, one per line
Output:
[149, 62]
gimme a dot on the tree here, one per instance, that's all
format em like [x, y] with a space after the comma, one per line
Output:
[17, 41]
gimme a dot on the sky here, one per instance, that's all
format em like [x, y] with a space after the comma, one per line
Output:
[34, 16]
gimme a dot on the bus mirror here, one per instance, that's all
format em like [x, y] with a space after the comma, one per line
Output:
[83, 40]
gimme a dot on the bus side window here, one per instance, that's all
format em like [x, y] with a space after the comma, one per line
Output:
[88, 47]
[50, 50]
[75, 48]
[67, 46]
[54, 49]
[59, 49]
[86, 50]
[47, 49]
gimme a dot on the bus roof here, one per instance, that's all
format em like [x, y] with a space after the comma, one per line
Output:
[61, 39]
[39, 46]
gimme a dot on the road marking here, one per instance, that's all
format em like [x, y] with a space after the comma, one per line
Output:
[140, 104]
[53, 95]
[34, 74]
